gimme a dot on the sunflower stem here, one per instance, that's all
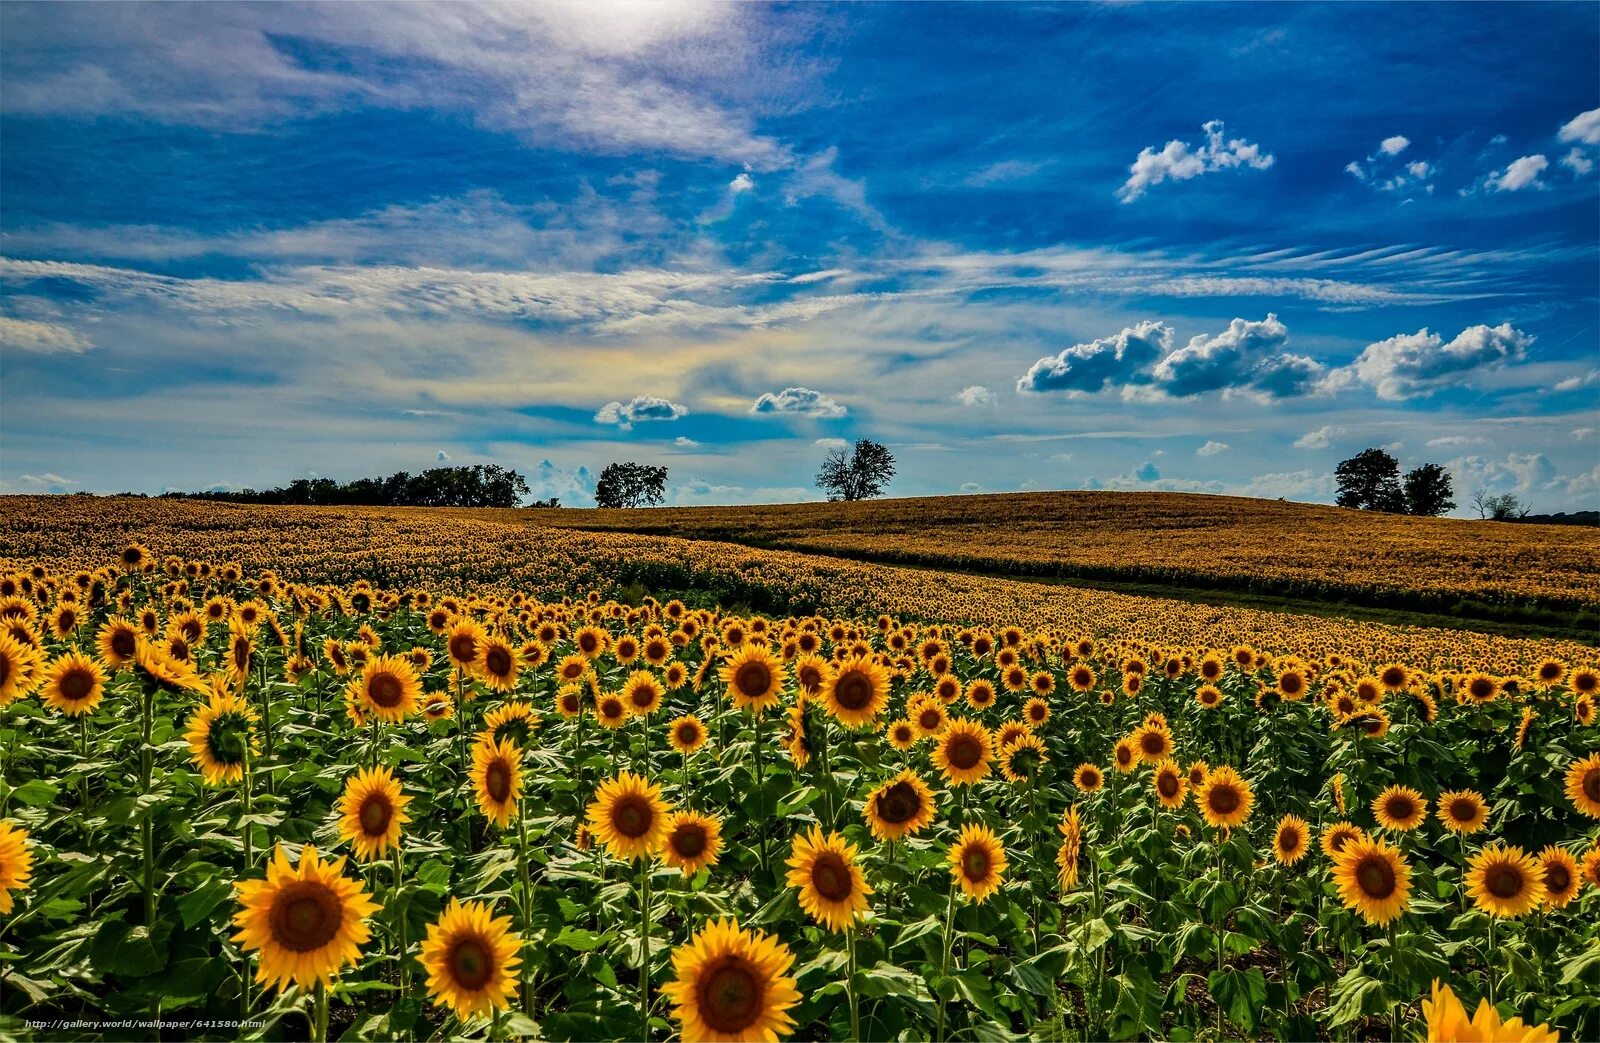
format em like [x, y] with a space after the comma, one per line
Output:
[850, 983]
[1394, 960]
[761, 792]
[147, 834]
[319, 1004]
[644, 951]
[944, 962]
[527, 903]
[401, 944]
[1488, 960]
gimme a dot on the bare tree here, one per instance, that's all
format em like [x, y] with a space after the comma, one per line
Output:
[856, 474]
[1505, 507]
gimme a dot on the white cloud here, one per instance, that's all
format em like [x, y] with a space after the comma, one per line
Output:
[743, 183]
[1179, 161]
[1583, 380]
[976, 395]
[971, 487]
[1584, 127]
[1519, 174]
[1087, 368]
[1577, 162]
[1245, 357]
[1212, 449]
[47, 479]
[442, 455]
[1321, 438]
[798, 401]
[685, 442]
[1385, 173]
[1580, 434]
[1522, 473]
[1421, 363]
[1395, 145]
[642, 408]
[40, 338]
[1453, 441]
[832, 443]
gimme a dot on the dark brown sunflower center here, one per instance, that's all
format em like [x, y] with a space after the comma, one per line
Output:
[1591, 784]
[1289, 839]
[1089, 779]
[1210, 670]
[1036, 713]
[1481, 688]
[975, 862]
[1549, 671]
[305, 916]
[1375, 876]
[930, 719]
[1167, 784]
[77, 684]
[810, 677]
[1124, 754]
[730, 995]
[498, 661]
[1224, 800]
[471, 964]
[963, 751]
[588, 643]
[1401, 808]
[375, 814]
[124, 642]
[1503, 881]
[1463, 810]
[644, 696]
[463, 648]
[497, 780]
[854, 690]
[632, 817]
[241, 653]
[5, 668]
[1586, 682]
[688, 734]
[831, 877]
[178, 649]
[1393, 678]
[1556, 878]
[899, 803]
[611, 708]
[752, 680]
[1153, 743]
[689, 840]
[1290, 684]
[385, 690]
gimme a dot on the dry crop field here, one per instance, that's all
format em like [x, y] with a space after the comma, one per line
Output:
[378, 774]
[1228, 542]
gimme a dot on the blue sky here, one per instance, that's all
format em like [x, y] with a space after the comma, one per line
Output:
[1195, 247]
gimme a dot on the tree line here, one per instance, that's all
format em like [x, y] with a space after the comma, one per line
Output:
[1371, 481]
[478, 485]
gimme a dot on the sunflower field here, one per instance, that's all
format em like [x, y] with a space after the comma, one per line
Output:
[591, 791]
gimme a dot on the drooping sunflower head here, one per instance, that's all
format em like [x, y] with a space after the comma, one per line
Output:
[1400, 808]
[833, 891]
[1504, 881]
[16, 863]
[900, 807]
[963, 751]
[221, 735]
[1171, 783]
[857, 692]
[497, 779]
[732, 985]
[305, 920]
[512, 720]
[977, 861]
[73, 684]
[1463, 811]
[1071, 829]
[1583, 785]
[629, 816]
[166, 672]
[1088, 777]
[1225, 798]
[1021, 758]
[472, 958]
[1373, 879]
[693, 841]
[371, 812]
[686, 734]
[1291, 840]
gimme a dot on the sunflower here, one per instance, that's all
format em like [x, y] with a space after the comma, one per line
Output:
[611, 710]
[1170, 783]
[1198, 770]
[1209, 696]
[732, 986]
[1462, 811]
[1584, 681]
[977, 861]
[1036, 712]
[643, 693]
[1152, 742]
[1447, 1020]
[221, 734]
[16, 863]
[167, 673]
[1021, 759]
[371, 812]
[19, 669]
[472, 958]
[903, 734]
[1583, 710]
[754, 678]
[1292, 684]
[1504, 881]
[832, 890]
[629, 816]
[591, 642]
[1373, 879]
[1224, 798]
[963, 751]
[980, 694]
[1071, 829]
[928, 714]
[118, 642]
[1290, 840]
[1088, 777]
[572, 668]
[1583, 785]
[306, 921]
[497, 662]
[1480, 688]
[438, 706]
[857, 692]
[899, 808]
[1400, 808]
[1394, 677]
[1082, 678]
[812, 673]
[389, 688]
[497, 779]
[73, 684]
[686, 734]
[1560, 873]
[1337, 836]
[796, 739]
[513, 719]
[1124, 756]
[693, 841]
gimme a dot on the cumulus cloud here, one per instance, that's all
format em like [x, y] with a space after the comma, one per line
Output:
[40, 338]
[1577, 162]
[1245, 357]
[1521, 473]
[641, 409]
[442, 455]
[1180, 161]
[685, 442]
[1086, 368]
[1519, 174]
[1212, 449]
[798, 402]
[1321, 438]
[976, 395]
[1416, 364]
[1384, 172]
[1584, 128]
[1395, 145]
